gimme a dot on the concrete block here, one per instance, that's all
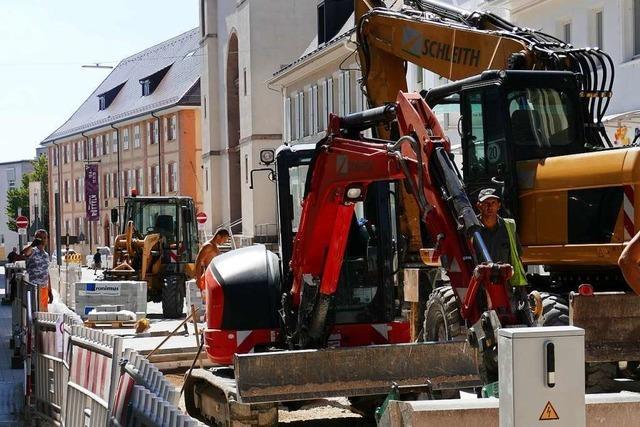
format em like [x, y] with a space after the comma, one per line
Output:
[613, 409]
[109, 308]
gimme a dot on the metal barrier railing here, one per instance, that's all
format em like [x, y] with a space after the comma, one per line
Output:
[51, 372]
[136, 371]
[93, 369]
[82, 377]
[148, 410]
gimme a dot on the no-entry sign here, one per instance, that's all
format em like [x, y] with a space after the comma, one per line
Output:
[201, 217]
[22, 221]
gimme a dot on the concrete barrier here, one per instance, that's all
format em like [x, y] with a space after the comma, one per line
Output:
[613, 409]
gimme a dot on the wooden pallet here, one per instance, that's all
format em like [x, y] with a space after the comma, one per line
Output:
[110, 324]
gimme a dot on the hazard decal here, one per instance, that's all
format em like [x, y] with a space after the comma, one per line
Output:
[549, 413]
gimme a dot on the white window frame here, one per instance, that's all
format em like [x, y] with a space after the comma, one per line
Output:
[173, 127]
[125, 138]
[136, 136]
[114, 142]
[313, 110]
[286, 114]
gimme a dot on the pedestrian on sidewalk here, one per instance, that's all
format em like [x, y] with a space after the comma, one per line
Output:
[207, 252]
[97, 260]
[37, 261]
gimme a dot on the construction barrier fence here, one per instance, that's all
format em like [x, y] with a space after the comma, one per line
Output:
[84, 378]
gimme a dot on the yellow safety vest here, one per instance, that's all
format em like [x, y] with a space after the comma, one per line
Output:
[519, 277]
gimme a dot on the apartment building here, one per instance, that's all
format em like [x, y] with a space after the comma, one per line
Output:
[139, 129]
[10, 177]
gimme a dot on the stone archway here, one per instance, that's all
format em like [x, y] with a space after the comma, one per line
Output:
[233, 132]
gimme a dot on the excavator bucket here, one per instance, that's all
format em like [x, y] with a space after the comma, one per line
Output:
[611, 321]
[355, 371]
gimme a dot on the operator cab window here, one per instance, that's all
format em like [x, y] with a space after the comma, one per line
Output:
[541, 118]
[483, 140]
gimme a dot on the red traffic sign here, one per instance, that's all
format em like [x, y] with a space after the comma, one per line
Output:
[22, 221]
[201, 217]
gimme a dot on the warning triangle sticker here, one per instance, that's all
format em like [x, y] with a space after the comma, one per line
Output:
[549, 413]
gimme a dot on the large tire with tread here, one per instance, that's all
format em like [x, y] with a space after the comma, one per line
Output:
[173, 293]
[442, 315]
[555, 310]
[599, 377]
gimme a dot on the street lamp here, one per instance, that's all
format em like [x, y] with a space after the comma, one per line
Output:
[97, 65]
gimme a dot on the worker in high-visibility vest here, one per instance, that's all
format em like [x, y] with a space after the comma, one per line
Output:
[500, 237]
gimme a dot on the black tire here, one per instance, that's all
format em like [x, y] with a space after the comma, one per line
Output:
[173, 297]
[599, 377]
[442, 316]
[555, 310]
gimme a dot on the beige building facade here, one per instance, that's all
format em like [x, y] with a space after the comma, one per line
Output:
[244, 43]
[143, 134]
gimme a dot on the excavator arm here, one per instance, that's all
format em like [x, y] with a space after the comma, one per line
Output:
[457, 44]
[344, 166]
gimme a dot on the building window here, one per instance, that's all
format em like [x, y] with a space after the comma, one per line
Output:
[126, 175]
[419, 78]
[114, 141]
[306, 113]
[173, 124]
[313, 110]
[116, 189]
[76, 189]
[85, 152]
[287, 119]
[66, 191]
[152, 132]
[105, 186]
[136, 136]
[75, 151]
[244, 78]
[329, 101]
[66, 154]
[66, 226]
[344, 93]
[105, 145]
[598, 29]
[76, 226]
[54, 154]
[94, 148]
[125, 139]
[82, 189]
[206, 179]
[155, 182]
[246, 168]
[300, 115]
[136, 180]
[297, 126]
[172, 177]
[566, 32]
[11, 177]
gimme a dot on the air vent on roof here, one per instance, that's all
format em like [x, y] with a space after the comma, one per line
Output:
[150, 83]
[106, 98]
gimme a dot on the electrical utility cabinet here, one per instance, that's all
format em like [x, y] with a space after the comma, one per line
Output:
[541, 373]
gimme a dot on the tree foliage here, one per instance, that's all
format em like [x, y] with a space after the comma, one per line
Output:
[19, 197]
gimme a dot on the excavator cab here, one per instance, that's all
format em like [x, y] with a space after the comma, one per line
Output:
[512, 116]
[366, 285]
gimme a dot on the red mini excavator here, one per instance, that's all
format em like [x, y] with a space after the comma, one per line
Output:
[333, 288]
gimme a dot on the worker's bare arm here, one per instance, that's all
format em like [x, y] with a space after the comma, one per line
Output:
[629, 263]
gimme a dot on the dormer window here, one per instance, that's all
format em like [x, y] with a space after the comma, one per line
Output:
[105, 99]
[150, 83]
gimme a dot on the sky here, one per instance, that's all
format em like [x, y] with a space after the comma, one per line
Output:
[44, 43]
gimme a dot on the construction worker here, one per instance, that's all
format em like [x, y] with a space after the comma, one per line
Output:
[629, 263]
[38, 267]
[500, 237]
[207, 252]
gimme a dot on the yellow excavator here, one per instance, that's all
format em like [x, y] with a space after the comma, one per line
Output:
[531, 111]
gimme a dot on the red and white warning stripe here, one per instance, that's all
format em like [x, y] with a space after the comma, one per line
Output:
[91, 371]
[629, 212]
[123, 394]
